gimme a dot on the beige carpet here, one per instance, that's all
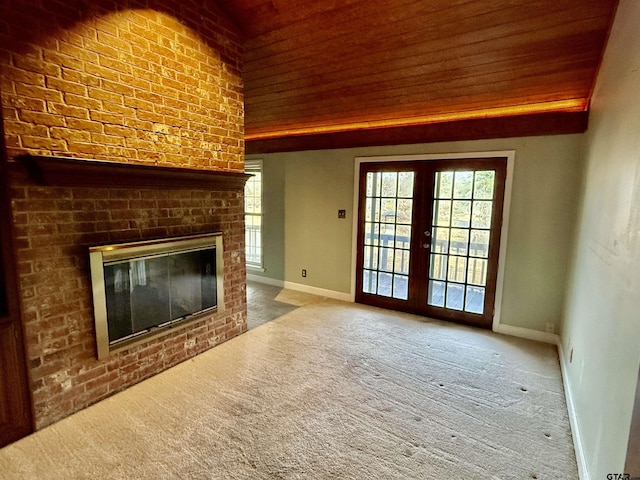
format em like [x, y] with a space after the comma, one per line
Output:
[328, 391]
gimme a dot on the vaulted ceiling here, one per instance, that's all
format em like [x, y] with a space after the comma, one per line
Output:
[359, 72]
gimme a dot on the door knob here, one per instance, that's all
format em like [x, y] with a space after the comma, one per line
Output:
[426, 245]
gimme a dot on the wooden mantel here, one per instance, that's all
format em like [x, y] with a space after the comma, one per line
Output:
[65, 171]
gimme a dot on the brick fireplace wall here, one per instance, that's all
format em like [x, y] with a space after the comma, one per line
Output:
[155, 82]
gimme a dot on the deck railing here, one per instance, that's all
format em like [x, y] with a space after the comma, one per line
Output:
[456, 265]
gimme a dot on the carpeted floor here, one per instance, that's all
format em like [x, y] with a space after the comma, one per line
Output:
[328, 391]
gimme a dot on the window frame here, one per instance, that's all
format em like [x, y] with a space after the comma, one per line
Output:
[253, 167]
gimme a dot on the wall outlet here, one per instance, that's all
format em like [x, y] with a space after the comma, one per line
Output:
[304, 272]
[550, 328]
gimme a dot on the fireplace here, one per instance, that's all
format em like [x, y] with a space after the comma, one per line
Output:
[144, 289]
[64, 207]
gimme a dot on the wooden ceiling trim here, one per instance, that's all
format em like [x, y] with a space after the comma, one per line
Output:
[330, 125]
[503, 127]
[422, 118]
[369, 118]
[475, 98]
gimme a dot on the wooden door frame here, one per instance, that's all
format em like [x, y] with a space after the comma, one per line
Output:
[508, 154]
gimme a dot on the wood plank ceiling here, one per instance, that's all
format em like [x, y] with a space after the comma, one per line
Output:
[358, 72]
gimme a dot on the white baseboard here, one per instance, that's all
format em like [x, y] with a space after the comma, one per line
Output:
[345, 297]
[527, 333]
[266, 280]
[583, 469]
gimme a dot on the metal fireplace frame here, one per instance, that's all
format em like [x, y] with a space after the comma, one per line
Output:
[100, 256]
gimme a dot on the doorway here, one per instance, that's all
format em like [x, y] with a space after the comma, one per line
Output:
[429, 236]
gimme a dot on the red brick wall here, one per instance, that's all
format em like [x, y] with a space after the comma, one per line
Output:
[142, 84]
[159, 86]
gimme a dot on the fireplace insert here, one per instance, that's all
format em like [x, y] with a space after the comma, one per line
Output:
[144, 289]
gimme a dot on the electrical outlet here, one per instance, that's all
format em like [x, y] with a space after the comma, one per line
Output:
[550, 328]
[304, 272]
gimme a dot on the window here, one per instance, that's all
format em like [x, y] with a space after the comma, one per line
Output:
[253, 214]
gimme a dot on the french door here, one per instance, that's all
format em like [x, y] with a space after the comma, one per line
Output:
[429, 237]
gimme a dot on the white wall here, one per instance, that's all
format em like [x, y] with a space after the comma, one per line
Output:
[602, 323]
[541, 226]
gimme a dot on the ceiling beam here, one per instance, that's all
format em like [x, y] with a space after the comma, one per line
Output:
[554, 123]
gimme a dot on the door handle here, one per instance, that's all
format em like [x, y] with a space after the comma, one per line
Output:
[427, 233]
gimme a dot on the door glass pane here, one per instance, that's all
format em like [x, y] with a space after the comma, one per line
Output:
[401, 287]
[372, 234]
[373, 184]
[440, 242]
[389, 184]
[405, 184]
[403, 236]
[402, 262]
[370, 258]
[474, 302]
[481, 214]
[461, 216]
[459, 241]
[405, 211]
[438, 267]
[477, 271]
[369, 281]
[483, 187]
[388, 210]
[372, 211]
[385, 262]
[455, 296]
[443, 185]
[457, 271]
[442, 213]
[436, 293]
[387, 233]
[463, 185]
[479, 243]
[384, 284]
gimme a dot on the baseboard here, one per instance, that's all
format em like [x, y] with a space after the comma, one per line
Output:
[321, 292]
[266, 280]
[527, 333]
[583, 470]
[345, 297]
